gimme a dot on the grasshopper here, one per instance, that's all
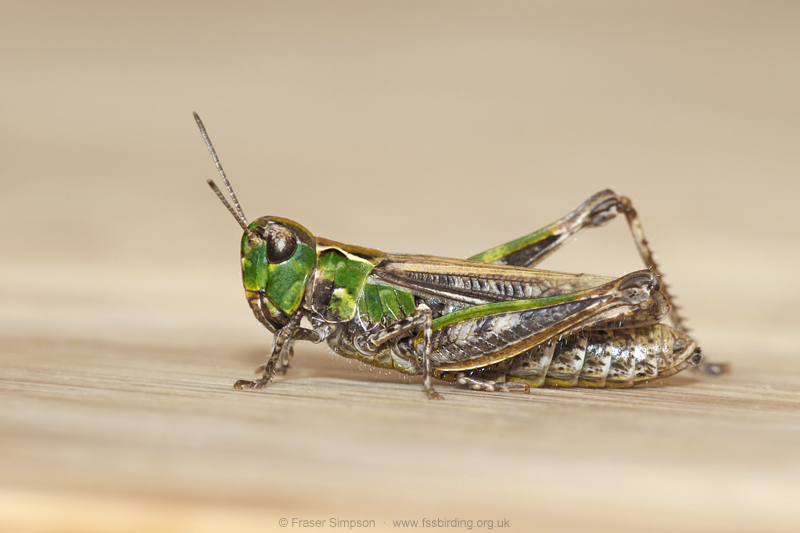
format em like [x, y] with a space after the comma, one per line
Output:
[490, 322]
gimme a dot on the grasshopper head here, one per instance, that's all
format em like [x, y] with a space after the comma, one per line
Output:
[278, 257]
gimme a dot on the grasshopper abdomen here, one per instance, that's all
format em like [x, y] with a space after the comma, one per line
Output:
[605, 358]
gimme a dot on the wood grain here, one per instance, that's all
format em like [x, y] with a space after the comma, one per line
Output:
[99, 432]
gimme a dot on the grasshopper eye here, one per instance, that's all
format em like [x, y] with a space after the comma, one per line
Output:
[281, 243]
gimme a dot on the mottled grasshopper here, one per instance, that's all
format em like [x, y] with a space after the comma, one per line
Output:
[490, 322]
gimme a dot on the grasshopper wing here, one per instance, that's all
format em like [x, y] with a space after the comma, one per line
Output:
[486, 334]
[461, 283]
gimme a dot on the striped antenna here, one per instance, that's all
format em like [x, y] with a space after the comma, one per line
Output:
[237, 212]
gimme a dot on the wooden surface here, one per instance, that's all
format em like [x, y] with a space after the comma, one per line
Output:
[433, 128]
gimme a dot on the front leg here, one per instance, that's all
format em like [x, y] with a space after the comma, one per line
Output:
[287, 353]
[281, 348]
[316, 335]
[282, 353]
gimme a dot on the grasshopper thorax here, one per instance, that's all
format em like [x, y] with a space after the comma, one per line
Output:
[278, 258]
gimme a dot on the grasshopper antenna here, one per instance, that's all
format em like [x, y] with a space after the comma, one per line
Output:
[237, 213]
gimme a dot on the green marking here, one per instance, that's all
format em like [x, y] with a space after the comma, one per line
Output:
[406, 301]
[497, 308]
[385, 303]
[343, 303]
[391, 307]
[284, 283]
[370, 304]
[271, 309]
[492, 255]
[254, 267]
[348, 275]
[287, 280]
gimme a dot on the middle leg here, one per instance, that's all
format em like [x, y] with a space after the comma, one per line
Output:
[421, 317]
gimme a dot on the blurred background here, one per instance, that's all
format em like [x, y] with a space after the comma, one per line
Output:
[432, 127]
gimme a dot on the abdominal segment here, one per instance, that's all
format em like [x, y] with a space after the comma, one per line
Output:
[605, 358]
